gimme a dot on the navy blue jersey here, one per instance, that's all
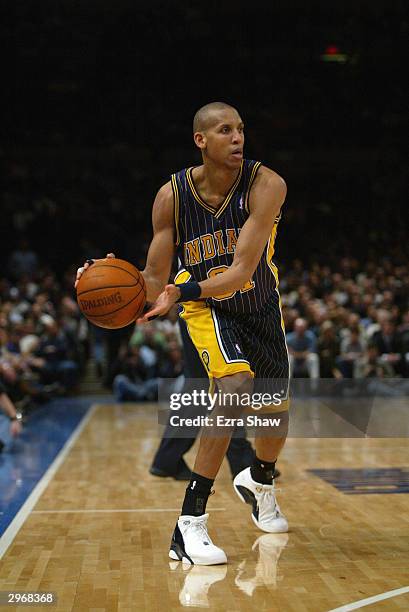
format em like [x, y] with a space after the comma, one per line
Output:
[206, 238]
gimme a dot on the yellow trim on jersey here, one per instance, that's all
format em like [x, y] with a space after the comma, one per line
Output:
[183, 276]
[270, 249]
[272, 266]
[176, 206]
[217, 212]
[251, 181]
[194, 192]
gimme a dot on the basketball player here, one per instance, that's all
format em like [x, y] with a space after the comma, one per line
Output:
[221, 219]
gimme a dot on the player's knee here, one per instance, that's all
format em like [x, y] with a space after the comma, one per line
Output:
[235, 392]
[242, 382]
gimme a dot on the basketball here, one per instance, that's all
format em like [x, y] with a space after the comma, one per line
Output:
[111, 293]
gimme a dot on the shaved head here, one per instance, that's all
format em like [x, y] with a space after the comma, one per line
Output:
[204, 117]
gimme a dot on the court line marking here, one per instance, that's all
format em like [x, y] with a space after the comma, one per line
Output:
[361, 603]
[22, 515]
[102, 511]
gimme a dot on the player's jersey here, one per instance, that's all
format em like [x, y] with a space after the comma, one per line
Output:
[206, 238]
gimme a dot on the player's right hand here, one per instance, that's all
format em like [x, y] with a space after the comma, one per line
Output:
[163, 304]
[86, 265]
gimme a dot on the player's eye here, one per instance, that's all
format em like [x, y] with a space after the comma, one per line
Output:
[225, 129]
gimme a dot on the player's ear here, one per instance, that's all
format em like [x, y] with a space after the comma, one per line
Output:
[200, 139]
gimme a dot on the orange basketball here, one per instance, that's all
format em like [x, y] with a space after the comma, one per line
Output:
[111, 293]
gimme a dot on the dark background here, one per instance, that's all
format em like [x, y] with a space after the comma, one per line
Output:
[99, 98]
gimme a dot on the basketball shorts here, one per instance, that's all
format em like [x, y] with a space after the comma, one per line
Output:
[228, 343]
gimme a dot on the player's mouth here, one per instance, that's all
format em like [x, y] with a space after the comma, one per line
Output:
[237, 153]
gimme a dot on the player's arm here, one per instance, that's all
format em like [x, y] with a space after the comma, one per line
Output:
[267, 197]
[162, 247]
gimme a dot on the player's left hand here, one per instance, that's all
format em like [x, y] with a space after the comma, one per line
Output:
[163, 304]
[86, 265]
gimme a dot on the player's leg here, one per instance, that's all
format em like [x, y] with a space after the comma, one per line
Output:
[240, 453]
[190, 541]
[268, 448]
[215, 344]
[255, 485]
[264, 341]
[213, 442]
[168, 460]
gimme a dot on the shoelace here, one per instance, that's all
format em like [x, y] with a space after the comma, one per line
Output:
[200, 529]
[268, 501]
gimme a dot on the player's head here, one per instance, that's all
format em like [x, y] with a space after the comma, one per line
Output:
[218, 131]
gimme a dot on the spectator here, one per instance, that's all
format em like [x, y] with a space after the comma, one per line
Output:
[371, 366]
[132, 381]
[55, 364]
[352, 349]
[404, 334]
[13, 414]
[172, 363]
[169, 325]
[152, 343]
[328, 350]
[389, 344]
[302, 351]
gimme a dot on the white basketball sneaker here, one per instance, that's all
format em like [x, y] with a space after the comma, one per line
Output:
[192, 544]
[266, 512]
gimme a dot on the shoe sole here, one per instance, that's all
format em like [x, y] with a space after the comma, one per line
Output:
[247, 497]
[159, 473]
[177, 554]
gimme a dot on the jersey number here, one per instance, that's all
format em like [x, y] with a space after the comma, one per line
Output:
[226, 296]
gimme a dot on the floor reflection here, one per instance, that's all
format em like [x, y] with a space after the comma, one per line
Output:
[197, 582]
[259, 568]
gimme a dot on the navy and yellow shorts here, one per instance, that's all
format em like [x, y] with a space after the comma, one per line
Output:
[229, 343]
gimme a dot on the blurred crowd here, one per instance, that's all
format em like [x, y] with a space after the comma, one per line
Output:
[46, 344]
[43, 338]
[144, 356]
[348, 322]
[345, 322]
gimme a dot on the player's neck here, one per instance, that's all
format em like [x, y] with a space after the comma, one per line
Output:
[215, 180]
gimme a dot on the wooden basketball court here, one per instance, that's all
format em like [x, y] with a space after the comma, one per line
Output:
[99, 535]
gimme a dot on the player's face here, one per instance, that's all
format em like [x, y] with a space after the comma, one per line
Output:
[223, 140]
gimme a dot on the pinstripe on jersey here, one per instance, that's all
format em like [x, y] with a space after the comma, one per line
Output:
[206, 238]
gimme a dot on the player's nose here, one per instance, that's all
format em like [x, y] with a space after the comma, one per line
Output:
[237, 137]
